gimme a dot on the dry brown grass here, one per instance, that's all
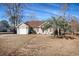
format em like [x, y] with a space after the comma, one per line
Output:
[38, 45]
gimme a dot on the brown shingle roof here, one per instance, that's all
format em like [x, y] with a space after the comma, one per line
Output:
[34, 24]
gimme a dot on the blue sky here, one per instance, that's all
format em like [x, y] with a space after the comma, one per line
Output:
[43, 11]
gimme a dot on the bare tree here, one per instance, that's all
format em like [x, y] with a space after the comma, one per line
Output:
[64, 8]
[14, 11]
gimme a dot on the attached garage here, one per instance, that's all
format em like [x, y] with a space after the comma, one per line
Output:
[23, 29]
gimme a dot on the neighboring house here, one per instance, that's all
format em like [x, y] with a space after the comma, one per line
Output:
[36, 26]
[74, 25]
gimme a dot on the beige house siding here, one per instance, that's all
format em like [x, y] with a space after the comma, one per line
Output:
[23, 26]
[38, 30]
[49, 31]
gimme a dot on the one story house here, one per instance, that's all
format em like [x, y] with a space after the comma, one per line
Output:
[33, 27]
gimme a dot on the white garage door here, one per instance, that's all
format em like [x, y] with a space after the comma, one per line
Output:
[23, 31]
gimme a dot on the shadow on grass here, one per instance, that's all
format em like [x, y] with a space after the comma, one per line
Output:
[63, 37]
